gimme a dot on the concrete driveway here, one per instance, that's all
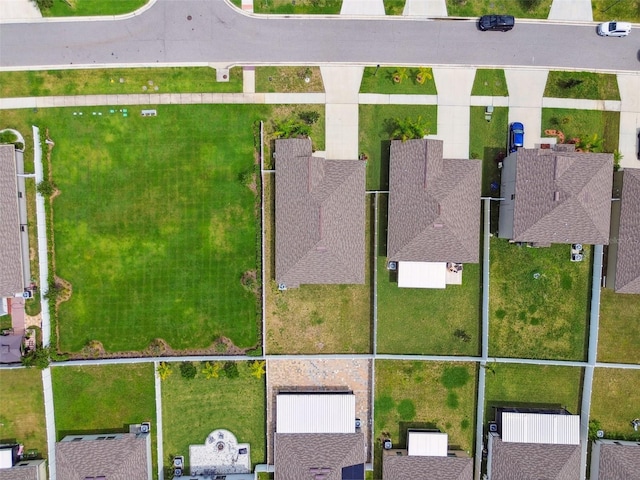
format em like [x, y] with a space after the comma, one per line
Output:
[526, 88]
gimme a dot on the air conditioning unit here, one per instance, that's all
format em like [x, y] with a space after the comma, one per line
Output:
[386, 444]
[27, 294]
[393, 266]
[177, 472]
[493, 427]
[145, 427]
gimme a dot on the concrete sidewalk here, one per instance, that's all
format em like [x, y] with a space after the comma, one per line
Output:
[425, 8]
[571, 10]
[362, 7]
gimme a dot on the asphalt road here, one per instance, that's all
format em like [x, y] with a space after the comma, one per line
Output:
[218, 34]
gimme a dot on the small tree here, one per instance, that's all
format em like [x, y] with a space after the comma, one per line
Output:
[258, 368]
[231, 370]
[423, 75]
[39, 358]
[46, 188]
[188, 370]
[211, 369]
[408, 129]
[399, 75]
[164, 370]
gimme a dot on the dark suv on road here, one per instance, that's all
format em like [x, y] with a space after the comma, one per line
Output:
[501, 23]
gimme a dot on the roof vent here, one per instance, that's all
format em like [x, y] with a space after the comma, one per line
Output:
[556, 196]
[438, 225]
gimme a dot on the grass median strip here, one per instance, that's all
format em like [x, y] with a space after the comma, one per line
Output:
[491, 82]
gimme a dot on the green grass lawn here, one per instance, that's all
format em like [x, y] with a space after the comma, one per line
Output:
[380, 80]
[490, 82]
[297, 7]
[584, 123]
[315, 318]
[619, 332]
[22, 409]
[424, 395]
[394, 7]
[72, 8]
[624, 10]
[104, 399]
[193, 408]
[615, 400]
[155, 226]
[594, 86]
[289, 79]
[545, 317]
[532, 385]
[487, 141]
[117, 81]
[376, 126]
[517, 8]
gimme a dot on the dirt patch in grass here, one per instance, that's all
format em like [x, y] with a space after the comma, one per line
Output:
[615, 401]
[289, 79]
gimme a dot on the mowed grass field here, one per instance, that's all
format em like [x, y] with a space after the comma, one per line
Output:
[619, 327]
[193, 408]
[22, 409]
[615, 401]
[544, 317]
[315, 318]
[532, 386]
[155, 225]
[104, 399]
[424, 395]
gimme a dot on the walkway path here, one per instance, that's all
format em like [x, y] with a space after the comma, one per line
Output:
[18, 10]
[49, 416]
[629, 86]
[362, 7]
[425, 8]
[158, 426]
[574, 10]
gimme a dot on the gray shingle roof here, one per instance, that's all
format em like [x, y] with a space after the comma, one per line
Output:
[11, 281]
[299, 455]
[619, 462]
[19, 473]
[320, 217]
[562, 197]
[10, 348]
[122, 458]
[628, 261]
[426, 468]
[434, 204]
[528, 461]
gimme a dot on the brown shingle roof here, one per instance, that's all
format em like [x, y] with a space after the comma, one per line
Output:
[434, 204]
[619, 462]
[628, 261]
[529, 461]
[122, 458]
[426, 468]
[11, 281]
[298, 456]
[320, 217]
[562, 197]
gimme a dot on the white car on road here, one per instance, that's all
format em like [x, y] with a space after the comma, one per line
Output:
[614, 29]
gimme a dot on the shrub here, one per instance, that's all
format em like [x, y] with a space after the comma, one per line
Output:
[258, 368]
[462, 335]
[188, 370]
[211, 369]
[309, 117]
[164, 370]
[46, 188]
[231, 370]
[39, 358]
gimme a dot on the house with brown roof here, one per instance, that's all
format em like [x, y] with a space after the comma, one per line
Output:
[623, 252]
[556, 195]
[109, 456]
[615, 460]
[532, 445]
[427, 457]
[320, 217]
[434, 214]
[317, 437]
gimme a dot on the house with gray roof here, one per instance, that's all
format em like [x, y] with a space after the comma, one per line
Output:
[13, 465]
[534, 445]
[11, 273]
[623, 252]
[320, 217]
[109, 456]
[615, 460]
[434, 214]
[317, 437]
[556, 195]
[427, 457]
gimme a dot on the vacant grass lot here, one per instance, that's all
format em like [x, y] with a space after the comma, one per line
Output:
[543, 317]
[289, 79]
[583, 124]
[380, 80]
[315, 318]
[117, 81]
[625, 10]
[615, 400]
[22, 409]
[487, 141]
[424, 395]
[155, 227]
[104, 399]
[71, 8]
[376, 126]
[619, 332]
[193, 408]
[517, 8]
[594, 86]
[298, 7]
[532, 385]
[490, 82]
